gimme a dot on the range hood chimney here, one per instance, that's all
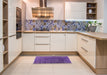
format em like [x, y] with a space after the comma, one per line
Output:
[42, 12]
[43, 3]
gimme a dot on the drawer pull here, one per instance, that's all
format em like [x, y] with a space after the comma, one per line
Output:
[84, 49]
[42, 36]
[12, 35]
[42, 44]
[84, 40]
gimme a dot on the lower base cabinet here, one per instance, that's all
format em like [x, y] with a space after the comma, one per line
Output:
[87, 49]
[49, 42]
[42, 47]
[1, 56]
[71, 42]
[58, 42]
[28, 42]
[42, 42]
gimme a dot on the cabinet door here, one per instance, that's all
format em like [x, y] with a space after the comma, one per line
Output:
[75, 10]
[12, 17]
[28, 42]
[1, 19]
[71, 42]
[1, 56]
[58, 42]
[12, 49]
[19, 45]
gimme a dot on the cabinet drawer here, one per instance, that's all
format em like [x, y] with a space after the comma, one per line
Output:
[42, 40]
[42, 34]
[84, 51]
[42, 47]
[85, 42]
[87, 48]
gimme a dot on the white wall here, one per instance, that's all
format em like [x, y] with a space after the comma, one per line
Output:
[23, 14]
[58, 6]
[29, 5]
[19, 3]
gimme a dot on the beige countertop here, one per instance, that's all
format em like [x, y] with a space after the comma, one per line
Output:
[96, 35]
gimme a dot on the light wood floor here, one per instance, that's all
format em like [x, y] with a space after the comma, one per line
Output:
[24, 66]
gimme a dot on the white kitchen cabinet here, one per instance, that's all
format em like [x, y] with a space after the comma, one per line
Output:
[71, 42]
[12, 17]
[12, 48]
[19, 45]
[92, 52]
[42, 47]
[1, 56]
[58, 41]
[28, 42]
[1, 6]
[87, 49]
[42, 42]
[75, 10]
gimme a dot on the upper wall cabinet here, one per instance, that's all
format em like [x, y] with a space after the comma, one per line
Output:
[75, 10]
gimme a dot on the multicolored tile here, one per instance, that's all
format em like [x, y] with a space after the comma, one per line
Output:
[48, 25]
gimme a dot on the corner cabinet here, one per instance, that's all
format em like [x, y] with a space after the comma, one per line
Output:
[87, 49]
[28, 42]
[1, 56]
[58, 41]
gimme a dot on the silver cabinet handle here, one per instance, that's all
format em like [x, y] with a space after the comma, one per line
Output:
[12, 35]
[42, 36]
[84, 40]
[84, 49]
[42, 44]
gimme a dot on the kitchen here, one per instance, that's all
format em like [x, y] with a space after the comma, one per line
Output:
[53, 30]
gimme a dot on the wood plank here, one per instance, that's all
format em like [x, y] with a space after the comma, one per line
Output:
[5, 52]
[49, 53]
[101, 57]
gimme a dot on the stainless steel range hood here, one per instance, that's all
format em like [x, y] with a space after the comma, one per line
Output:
[42, 12]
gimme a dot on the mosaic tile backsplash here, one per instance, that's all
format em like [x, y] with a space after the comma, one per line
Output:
[48, 25]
